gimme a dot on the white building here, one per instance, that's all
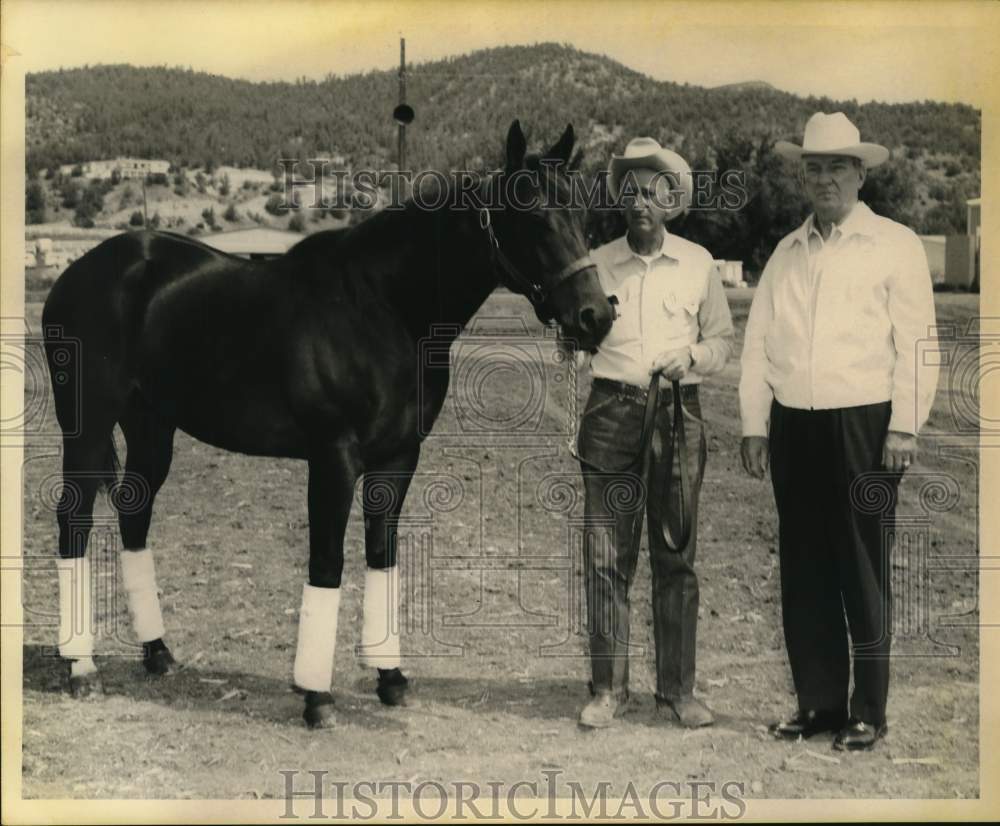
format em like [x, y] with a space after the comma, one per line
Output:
[126, 168]
[730, 272]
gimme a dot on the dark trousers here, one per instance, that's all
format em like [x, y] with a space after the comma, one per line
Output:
[609, 437]
[834, 554]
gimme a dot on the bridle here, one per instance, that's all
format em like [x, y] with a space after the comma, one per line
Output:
[512, 278]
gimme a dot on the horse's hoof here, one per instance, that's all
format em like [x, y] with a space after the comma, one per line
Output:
[157, 659]
[86, 685]
[318, 712]
[392, 687]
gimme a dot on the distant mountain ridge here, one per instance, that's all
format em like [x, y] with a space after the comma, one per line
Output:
[463, 107]
[745, 86]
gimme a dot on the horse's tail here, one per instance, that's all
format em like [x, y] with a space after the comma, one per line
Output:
[111, 468]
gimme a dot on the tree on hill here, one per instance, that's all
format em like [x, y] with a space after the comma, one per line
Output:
[34, 203]
[90, 204]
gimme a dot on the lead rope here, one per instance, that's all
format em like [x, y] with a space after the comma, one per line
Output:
[640, 464]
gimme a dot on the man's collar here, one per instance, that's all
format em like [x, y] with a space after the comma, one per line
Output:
[859, 221]
[668, 249]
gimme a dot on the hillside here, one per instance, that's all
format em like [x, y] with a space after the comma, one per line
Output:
[464, 105]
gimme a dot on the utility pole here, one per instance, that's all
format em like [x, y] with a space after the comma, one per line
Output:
[402, 102]
[403, 115]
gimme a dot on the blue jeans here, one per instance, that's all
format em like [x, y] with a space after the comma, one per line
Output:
[609, 437]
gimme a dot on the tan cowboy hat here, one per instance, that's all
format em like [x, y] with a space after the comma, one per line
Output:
[646, 153]
[833, 135]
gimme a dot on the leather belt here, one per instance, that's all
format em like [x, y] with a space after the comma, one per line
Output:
[639, 394]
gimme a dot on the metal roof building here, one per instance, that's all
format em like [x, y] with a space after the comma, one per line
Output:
[255, 242]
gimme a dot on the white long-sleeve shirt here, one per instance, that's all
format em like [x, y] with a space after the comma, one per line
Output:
[668, 300]
[842, 322]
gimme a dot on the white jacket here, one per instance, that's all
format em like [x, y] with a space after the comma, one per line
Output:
[844, 324]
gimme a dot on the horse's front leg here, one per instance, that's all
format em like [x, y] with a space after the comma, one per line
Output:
[384, 490]
[333, 472]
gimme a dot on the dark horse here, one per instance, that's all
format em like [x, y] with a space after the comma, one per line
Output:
[313, 355]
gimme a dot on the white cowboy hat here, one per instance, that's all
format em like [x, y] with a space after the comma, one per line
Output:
[833, 135]
[646, 153]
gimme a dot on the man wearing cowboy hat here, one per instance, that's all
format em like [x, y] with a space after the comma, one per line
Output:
[832, 390]
[671, 316]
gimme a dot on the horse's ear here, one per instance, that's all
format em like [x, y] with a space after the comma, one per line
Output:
[577, 161]
[563, 147]
[516, 147]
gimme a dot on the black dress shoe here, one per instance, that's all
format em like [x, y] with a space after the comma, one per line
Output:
[807, 723]
[858, 735]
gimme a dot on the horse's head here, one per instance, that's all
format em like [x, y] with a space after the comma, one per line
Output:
[536, 233]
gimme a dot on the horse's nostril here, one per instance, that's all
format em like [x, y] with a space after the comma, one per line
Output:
[587, 319]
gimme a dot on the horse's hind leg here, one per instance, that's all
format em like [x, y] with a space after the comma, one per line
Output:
[150, 449]
[383, 494]
[87, 464]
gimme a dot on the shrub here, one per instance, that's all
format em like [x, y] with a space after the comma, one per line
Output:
[209, 215]
[70, 192]
[297, 223]
[127, 197]
[83, 217]
[231, 214]
[276, 205]
[136, 219]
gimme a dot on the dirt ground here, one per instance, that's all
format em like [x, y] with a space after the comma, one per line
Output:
[491, 615]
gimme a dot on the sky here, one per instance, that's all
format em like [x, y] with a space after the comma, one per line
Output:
[896, 51]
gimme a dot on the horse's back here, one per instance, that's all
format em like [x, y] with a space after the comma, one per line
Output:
[130, 262]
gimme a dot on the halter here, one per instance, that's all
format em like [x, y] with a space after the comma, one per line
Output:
[512, 278]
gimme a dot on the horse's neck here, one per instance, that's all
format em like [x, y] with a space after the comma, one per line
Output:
[451, 274]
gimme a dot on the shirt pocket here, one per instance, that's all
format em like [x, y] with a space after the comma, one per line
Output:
[680, 316]
[625, 328]
[681, 304]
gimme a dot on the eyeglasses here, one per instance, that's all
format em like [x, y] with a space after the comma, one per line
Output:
[838, 169]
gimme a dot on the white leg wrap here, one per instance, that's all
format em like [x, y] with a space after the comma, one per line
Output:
[76, 618]
[317, 638]
[82, 667]
[380, 630]
[139, 579]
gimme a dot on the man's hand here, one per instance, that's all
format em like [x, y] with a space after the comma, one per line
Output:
[900, 451]
[673, 364]
[754, 453]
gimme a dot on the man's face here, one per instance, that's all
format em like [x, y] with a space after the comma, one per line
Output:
[831, 183]
[648, 209]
